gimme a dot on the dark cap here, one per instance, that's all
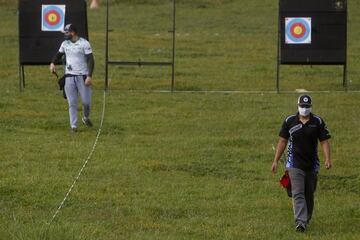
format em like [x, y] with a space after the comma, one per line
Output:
[70, 28]
[305, 100]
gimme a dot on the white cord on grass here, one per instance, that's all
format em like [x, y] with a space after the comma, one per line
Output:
[82, 168]
[237, 91]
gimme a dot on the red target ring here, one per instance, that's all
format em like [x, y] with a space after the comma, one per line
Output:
[52, 17]
[298, 30]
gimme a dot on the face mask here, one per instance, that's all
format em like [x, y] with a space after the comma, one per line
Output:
[67, 36]
[304, 111]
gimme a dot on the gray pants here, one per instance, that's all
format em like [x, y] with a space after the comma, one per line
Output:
[303, 186]
[75, 85]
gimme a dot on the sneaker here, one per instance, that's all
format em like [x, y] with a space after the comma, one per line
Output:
[300, 228]
[87, 122]
[73, 129]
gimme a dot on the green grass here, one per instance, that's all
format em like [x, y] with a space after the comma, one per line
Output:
[181, 165]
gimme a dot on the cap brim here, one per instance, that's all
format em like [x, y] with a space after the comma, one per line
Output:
[67, 31]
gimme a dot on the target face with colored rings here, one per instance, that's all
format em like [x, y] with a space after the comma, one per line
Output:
[298, 30]
[52, 17]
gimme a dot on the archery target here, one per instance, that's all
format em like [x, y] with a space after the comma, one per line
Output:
[298, 30]
[52, 17]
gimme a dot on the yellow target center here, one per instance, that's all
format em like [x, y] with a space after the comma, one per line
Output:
[52, 17]
[298, 30]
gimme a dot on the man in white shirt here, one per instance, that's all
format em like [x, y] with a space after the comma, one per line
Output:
[78, 72]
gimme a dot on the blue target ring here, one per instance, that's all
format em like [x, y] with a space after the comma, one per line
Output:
[301, 22]
[59, 14]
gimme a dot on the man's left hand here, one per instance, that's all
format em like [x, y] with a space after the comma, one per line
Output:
[88, 81]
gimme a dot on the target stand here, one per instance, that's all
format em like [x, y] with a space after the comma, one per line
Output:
[40, 26]
[312, 33]
[140, 63]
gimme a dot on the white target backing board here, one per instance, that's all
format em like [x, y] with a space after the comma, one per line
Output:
[298, 30]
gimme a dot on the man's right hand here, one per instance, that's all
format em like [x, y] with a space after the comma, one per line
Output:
[274, 166]
[52, 68]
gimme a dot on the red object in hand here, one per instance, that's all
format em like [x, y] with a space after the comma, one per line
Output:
[285, 180]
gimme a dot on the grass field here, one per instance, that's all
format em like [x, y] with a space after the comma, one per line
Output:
[182, 165]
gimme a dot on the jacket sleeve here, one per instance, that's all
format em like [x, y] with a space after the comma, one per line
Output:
[323, 133]
[284, 131]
